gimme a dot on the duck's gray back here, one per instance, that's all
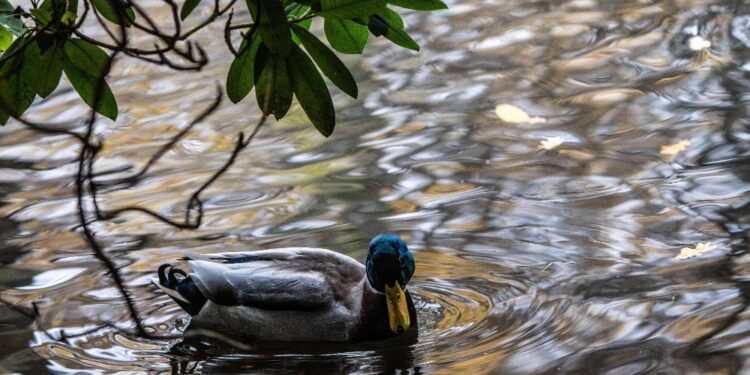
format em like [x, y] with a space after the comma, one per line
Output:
[291, 294]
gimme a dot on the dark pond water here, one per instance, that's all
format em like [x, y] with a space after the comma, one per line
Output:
[547, 236]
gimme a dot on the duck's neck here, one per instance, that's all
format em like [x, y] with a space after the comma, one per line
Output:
[373, 314]
[374, 324]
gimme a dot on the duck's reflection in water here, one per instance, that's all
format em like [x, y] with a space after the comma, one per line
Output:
[208, 352]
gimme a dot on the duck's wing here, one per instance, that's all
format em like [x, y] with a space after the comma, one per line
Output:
[281, 279]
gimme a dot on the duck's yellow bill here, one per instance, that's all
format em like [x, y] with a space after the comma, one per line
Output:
[398, 312]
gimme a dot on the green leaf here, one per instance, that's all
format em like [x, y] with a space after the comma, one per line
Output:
[273, 26]
[419, 4]
[305, 2]
[328, 62]
[390, 25]
[53, 6]
[273, 86]
[6, 38]
[261, 58]
[68, 18]
[298, 11]
[188, 8]
[10, 21]
[115, 11]
[87, 57]
[49, 77]
[3, 117]
[392, 16]
[304, 24]
[241, 75]
[346, 36]
[85, 68]
[45, 41]
[41, 16]
[311, 91]
[294, 10]
[87, 87]
[17, 76]
[346, 9]
[54, 11]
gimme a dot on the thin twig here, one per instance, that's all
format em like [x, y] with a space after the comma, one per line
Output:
[132, 180]
[86, 186]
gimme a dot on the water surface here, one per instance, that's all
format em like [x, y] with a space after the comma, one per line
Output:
[528, 260]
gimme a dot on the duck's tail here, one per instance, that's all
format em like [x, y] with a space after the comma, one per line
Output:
[178, 285]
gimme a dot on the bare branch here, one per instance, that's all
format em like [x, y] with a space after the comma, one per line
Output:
[173, 49]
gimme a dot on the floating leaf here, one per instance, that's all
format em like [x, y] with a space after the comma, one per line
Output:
[241, 76]
[670, 151]
[347, 9]
[328, 62]
[311, 91]
[550, 143]
[689, 252]
[515, 115]
[346, 36]
[188, 8]
[115, 11]
[419, 4]
[697, 43]
[604, 97]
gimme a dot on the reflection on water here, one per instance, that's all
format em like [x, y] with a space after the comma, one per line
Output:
[543, 245]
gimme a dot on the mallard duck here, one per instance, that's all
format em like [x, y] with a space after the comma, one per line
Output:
[298, 294]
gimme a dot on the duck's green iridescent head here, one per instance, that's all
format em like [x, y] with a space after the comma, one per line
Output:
[390, 265]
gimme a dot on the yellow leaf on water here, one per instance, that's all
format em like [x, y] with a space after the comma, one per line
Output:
[604, 97]
[697, 43]
[515, 115]
[551, 142]
[689, 252]
[674, 149]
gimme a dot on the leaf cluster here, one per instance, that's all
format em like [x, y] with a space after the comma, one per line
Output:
[35, 58]
[278, 56]
[282, 59]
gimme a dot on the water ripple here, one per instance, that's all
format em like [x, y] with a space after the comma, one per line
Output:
[544, 246]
